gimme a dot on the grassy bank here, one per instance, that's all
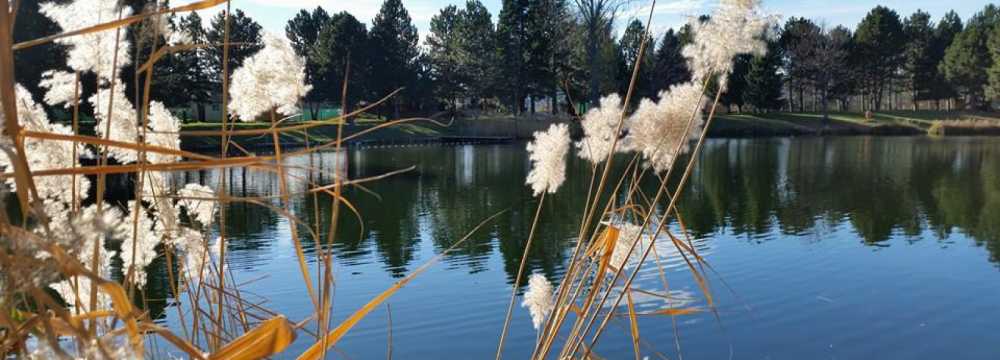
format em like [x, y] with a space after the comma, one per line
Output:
[852, 123]
[488, 128]
[499, 127]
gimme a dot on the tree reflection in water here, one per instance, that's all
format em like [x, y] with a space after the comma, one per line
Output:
[882, 189]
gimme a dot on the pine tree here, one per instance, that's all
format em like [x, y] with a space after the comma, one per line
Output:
[192, 65]
[763, 82]
[967, 57]
[303, 31]
[341, 54]
[842, 72]
[630, 44]
[144, 38]
[512, 42]
[669, 67]
[947, 28]
[245, 37]
[918, 64]
[544, 26]
[478, 51]
[394, 53]
[736, 83]
[796, 46]
[445, 57]
[993, 90]
[880, 41]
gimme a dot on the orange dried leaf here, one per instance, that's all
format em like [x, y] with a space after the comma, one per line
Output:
[268, 338]
[634, 323]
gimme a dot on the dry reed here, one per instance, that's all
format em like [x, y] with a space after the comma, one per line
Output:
[216, 320]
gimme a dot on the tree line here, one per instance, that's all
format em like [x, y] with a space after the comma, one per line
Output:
[888, 62]
[565, 54]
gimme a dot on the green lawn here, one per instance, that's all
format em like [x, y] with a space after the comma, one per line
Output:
[494, 125]
[812, 122]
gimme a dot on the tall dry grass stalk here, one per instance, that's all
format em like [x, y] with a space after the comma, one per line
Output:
[102, 318]
[60, 239]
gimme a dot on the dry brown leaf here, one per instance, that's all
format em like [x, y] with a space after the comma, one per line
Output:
[268, 338]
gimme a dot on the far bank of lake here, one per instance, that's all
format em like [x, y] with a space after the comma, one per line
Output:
[494, 129]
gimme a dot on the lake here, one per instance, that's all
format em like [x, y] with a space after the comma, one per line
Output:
[840, 248]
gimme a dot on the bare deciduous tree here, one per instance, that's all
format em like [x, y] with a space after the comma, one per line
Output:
[597, 16]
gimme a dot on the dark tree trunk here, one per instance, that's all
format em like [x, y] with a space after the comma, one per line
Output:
[395, 109]
[592, 60]
[314, 111]
[802, 98]
[201, 112]
[826, 109]
[553, 102]
[791, 93]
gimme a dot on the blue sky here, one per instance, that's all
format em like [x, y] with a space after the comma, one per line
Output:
[273, 14]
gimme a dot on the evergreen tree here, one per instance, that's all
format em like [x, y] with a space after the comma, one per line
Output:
[630, 44]
[842, 73]
[341, 54]
[422, 99]
[395, 54]
[612, 63]
[797, 41]
[303, 31]
[144, 38]
[993, 90]
[512, 42]
[880, 40]
[544, 25]
[947, 28]
[192, 65]
[918, 63]
[670, 67]
[478, 51]
[444, 56]
[763, 80]
[967, 57]
[245, 37]
[736, 83]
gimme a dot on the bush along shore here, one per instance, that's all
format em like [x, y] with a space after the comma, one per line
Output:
[204, 137]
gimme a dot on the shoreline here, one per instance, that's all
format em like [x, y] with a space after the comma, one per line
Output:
[508, 129]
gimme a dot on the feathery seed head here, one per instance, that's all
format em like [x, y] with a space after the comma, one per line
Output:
[163, 129]
[548, 157]
[93, 52]
[274, 78]
[600, 129]
[202, 211]
[538, 299]
[657, 129]
[735, 27]
[61, 87]
[124, 125]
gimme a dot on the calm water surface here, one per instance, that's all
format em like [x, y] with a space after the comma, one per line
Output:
[839, 248]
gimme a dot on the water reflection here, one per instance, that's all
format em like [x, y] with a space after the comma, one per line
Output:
[808, 216]
[878, 187]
